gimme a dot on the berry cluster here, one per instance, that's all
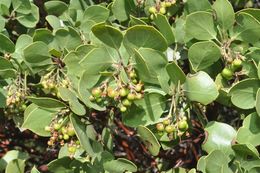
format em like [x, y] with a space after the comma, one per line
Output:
[234, 66]
[63, 132]
[172, 128]
[161, 7]
[51, 83]
[122, 95]
[15, 101]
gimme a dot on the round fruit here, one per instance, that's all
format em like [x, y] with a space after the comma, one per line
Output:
[237, 63]
[169, 129]
[24, 107]
[166, 122]
[132, 74]
[152, 10]
[123, 108]
[162, 10]
[64, 130]
[112, 93]
[163, 4]
[131, 96]
[123, 92]
[160, 127]
[71, 131]
[72, 149]
[168, 4]
[96, 92]
[139, 96]
[138, 87]
[126, 102]
[98, 100]
[47, 128]
[91, 98]
[183, 125]
[227, 73]
[66, 136]
[56, 126]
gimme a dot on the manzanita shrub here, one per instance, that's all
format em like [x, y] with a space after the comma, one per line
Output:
[93, 75]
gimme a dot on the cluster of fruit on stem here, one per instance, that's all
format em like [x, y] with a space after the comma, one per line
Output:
[16, 100]
[122, 95]
[173, 128]
[51, 82]
[161, 7]
[63, 132]
[231, 68]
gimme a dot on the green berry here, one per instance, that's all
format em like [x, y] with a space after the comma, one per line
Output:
[168, 4]
[72, 149]
[91, 98]
[123, 108]
[183, 125]
[96, 92]
[123, 92]
[139, 96]
[126, 102]
[71, 131]
[227, 73]
[66, 136]
[131, 96]
[169, 128]
[166, 122]
[236, 64]
[64, 130]
[56, 126]
[138, 87]
[132, 74]
[160, 127]
[162, 10]
[112, 93]
[152, 10]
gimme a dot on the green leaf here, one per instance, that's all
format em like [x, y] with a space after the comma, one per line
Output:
[253, 12]
[46, 102]
[201, 88]
[10, 156]
[149, 139]
[29, 20]
[70, 96]
[108, 35]
[246, 151]
[243, 94]
[203, 54]
[176, 74]
[257, 104]
[217, 161]
[37, 53]
[122, 9]
[120, 165]
[250, 131]
[81, 132]
[153, 62]
[56, 8]
[22, 6]
[144, 36]
[62, 165]
[145, 111]
[200, 25]
[69, 39]
[53, 21]
[36, 118]
[17, 166]
[247, 28]
[96, 61]
[6, 69]
[225, 13]
[6, 44]
[34, 170]
[194, 5]
[219, 139]
[165, 28]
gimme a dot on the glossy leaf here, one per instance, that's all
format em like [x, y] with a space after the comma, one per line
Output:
[46, 102]
[203, 54]
[201, 88]
[176, 74]
[200, 25]
[243, 94]
[149, 139]
[120, 166]
[6, 44]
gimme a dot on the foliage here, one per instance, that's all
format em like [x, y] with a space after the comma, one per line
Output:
[75, 71]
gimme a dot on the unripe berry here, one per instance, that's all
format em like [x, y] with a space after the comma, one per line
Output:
[123, 92]
[183, 125]
[138, 87]
[96, 92]
[162, 10]
[166, 122]
[131, 96]
[126, 102]
[71, 131]
[236, 64]
[152, 10]
[56, 126]
[112, 93]
[64, 130]
[72, 149]
[169, 128]
[160, 127]
[227, 73]
[66, 137]
[123, 108]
